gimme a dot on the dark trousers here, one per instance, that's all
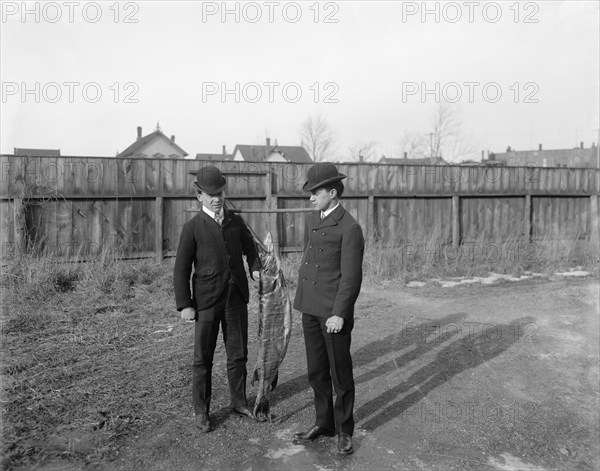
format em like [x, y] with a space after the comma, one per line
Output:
[231, 313]
[329, 361]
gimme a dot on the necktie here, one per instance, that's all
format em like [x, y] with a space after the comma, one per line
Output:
[322, 215]
[219, 218]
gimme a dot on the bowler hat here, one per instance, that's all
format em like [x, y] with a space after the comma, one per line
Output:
[210, 180]
[322, 174]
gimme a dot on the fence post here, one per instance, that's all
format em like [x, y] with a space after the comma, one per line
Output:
[20, 227]
[371, 217]
[158, 228]
[272, 204]
[528, 216]
[595, 229]
[456, 220]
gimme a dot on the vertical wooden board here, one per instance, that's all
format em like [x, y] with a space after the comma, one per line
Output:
[351, 182]
[151, 178]
[6, 228]
[363, 216]
[168, 177]
[110, 223]
[7, 172]
[92, 174]
[148, 234]
[78, 174]
[372, 178]
[382, 185]
[382, 217]
[109, 177]
[363, 178]
[50, 226]
[95, 226]
[64, 226]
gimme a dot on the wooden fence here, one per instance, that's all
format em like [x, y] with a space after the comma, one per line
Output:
[80, 204]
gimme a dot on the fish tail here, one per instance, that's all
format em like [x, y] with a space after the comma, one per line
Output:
[262, 410]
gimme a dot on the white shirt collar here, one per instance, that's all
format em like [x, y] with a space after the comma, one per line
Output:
[324, 214]
[212, 214]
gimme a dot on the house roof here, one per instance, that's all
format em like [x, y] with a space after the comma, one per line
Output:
[201, 156]
[37, 152]
[295, 154]
[142, 141]
[403, 161]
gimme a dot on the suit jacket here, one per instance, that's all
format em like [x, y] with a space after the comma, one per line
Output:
[215, 252]
[330, 275]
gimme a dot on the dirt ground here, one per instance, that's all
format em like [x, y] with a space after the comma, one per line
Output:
[502, 377]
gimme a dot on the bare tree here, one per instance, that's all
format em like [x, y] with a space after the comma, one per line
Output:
[414, 144]
[448, 138]
[317, 137]
[364, 151]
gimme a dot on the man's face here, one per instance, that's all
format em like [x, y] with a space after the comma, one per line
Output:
[212, 201]
[322, 199]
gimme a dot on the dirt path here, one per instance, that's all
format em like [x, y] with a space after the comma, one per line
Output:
[471, 377]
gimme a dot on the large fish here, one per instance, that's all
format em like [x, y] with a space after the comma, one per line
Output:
[274, 327]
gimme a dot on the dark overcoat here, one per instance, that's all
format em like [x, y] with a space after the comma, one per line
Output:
[330, 274]
[215, 252]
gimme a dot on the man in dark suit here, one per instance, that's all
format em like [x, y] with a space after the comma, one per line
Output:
[329, 282]
[213, 242]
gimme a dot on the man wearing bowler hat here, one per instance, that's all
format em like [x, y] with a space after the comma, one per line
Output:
[329, 282]
[212, 244]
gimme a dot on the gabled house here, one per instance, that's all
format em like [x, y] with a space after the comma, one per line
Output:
[154, 145]
[269, 153]
[222, 156]
[37, 152]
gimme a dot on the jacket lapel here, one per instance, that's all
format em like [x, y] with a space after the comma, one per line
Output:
[332, 219]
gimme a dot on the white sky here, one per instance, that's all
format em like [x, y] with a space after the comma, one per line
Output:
[368, 54]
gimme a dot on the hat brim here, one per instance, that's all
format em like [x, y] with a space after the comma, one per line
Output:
[211, 189]
[307, 187]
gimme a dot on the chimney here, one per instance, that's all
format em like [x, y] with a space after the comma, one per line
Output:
[405, 155]
[139, 129]
[268, 143]
[539, 147]
[581, 145]
[508, 149]
[224, 150]
[173, 139]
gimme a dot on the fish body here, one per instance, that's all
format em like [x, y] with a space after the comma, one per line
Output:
[274, 327]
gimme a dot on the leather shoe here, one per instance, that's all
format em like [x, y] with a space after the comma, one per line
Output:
[203, 423]
[314, 432]
[243, 411]
[345, 444]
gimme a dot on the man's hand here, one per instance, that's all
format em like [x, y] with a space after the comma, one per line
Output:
[334, 324]
[188, 314]
[255, 275]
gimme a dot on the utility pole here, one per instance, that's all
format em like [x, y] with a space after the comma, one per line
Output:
[430, 134]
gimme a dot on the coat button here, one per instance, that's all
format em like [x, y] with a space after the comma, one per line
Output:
[314, 230]
[320, 250]
[310, 247]
[322, 233]
[316, 266]
[305, 263]
[303, 279]
[314, 282]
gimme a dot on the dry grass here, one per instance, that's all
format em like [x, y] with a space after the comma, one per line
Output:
[94, 352]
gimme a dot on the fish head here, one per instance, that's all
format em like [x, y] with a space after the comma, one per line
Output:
[269, 257]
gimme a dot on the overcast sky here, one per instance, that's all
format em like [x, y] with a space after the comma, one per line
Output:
[81, 76]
